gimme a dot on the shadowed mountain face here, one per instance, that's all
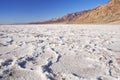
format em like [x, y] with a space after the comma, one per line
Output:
[106, 13]
[64, 19]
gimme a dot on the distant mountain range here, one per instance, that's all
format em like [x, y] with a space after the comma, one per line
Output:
[107, 13]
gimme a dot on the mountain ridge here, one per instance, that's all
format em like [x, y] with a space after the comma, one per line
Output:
[63, 19]
[107, 13]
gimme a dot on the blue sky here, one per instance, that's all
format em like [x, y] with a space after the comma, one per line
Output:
[20, 11]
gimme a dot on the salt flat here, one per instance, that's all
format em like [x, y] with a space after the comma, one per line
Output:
[59, 52]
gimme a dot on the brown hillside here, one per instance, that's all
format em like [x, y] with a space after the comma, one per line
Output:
[64, 19]
[107, 13]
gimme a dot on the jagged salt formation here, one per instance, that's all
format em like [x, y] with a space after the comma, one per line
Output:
[60, 52]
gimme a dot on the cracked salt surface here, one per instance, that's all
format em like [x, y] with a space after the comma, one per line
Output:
[59, 52]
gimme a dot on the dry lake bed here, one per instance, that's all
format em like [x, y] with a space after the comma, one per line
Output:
[59, 52]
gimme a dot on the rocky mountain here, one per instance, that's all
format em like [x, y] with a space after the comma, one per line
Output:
[107, 13]
[64, 19]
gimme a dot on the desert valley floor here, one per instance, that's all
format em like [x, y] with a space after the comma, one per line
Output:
[59, 52]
